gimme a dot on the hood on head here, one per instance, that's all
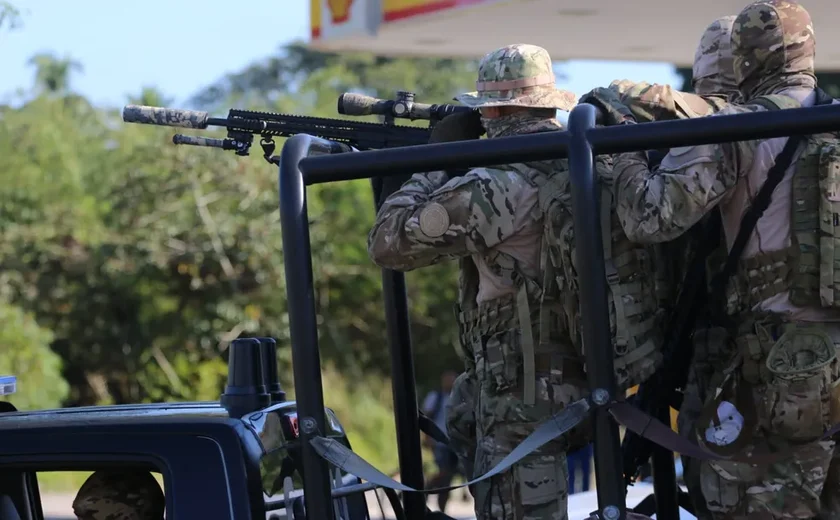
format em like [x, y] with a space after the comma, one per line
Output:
[773, 47]
[713, 71]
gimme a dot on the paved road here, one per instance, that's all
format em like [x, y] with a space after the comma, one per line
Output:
[58, 507]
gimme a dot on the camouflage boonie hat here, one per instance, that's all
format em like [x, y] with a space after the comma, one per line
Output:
[120, 495]
[772, 38]
[713, 71]
[519, 75]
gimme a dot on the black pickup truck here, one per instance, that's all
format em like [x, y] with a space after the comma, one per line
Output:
[218, 460]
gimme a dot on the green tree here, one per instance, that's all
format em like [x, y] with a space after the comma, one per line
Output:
[144, 260]
[150, 96]
[53, 74]
[10, 16]
[26, 354]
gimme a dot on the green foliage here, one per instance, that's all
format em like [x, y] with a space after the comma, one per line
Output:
[9, 16]
[127, 264]
[27, 355]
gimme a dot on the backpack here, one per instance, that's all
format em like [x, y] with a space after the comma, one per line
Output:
[639, 288]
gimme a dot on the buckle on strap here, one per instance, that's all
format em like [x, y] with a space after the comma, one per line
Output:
[611, 272]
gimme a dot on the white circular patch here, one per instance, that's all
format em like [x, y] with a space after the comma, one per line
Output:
[434, 220]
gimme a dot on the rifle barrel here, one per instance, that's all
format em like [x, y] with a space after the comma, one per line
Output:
[224, 144]
[146, 115]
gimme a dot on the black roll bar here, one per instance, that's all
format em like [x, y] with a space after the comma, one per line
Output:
[404, 391]
[581, 141]
[300, 294]
[552, 145]
[303, 329]
[594, 312]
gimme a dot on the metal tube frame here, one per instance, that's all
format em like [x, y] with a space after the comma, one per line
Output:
[580, 143]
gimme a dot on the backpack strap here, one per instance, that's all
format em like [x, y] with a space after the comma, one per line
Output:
[621, 329]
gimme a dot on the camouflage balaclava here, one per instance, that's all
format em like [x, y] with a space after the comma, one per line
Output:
[120, 495]
[713, 72]
[518, 75]
[773, 48]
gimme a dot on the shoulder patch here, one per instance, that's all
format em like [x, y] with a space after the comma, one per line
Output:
[434, 220]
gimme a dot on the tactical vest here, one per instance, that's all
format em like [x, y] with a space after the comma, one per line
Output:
[547, 311]
[638, 288]
[505, 340]
[808, 270]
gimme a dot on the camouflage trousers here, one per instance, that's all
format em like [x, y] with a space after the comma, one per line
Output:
[783, 382]
[537, 487]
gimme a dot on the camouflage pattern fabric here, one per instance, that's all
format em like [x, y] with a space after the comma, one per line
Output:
[713, 80]
[519, 123]
[165, 116]
[519, 75]
[773, 47]
[460, 420]
[790, 393]
[660, 206]
[120, 495]
[433, 218]
[713, 71]
[711, 348]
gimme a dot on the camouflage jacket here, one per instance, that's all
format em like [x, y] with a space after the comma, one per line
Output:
[432, 218]
[654, 102]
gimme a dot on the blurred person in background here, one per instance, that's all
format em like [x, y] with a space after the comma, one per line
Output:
[434, 406]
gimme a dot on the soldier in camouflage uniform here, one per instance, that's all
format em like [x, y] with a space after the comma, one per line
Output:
[490, 219]
[714, 85]
[781, 302]
[119, 495]
[713, 82]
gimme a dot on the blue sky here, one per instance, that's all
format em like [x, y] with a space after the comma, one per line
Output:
[180, 46]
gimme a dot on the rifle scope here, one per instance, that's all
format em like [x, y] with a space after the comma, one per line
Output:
[404, 107]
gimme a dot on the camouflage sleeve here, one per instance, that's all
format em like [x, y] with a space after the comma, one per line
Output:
[654, 102]
[429, 219]
[660, 205]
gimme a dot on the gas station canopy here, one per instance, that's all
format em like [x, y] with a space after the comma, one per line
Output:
[643, 30]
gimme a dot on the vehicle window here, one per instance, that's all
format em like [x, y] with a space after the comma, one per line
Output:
[58, 490]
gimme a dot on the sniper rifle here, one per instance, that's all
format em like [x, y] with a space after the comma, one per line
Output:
[242, 125]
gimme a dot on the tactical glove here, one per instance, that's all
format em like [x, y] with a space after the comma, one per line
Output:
[612, 110]
[460, 126]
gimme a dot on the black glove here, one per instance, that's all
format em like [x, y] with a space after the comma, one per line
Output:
[655, 157]
[612, 110]
[460, 126]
